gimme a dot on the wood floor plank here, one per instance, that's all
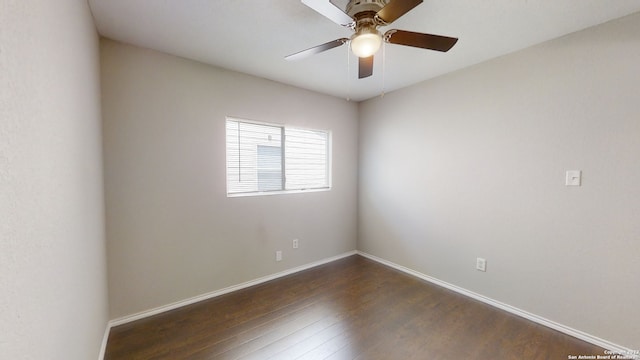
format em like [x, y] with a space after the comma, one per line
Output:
[355, 300]
[352, 308]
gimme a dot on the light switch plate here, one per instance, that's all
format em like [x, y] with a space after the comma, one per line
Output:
[574, 178]
[481, 264]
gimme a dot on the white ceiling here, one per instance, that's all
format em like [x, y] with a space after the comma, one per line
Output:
[254, 36]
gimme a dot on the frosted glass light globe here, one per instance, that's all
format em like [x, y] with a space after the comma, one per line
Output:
[366, 44]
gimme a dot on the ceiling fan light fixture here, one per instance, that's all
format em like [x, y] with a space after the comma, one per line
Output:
[366, 42]
[364, 17]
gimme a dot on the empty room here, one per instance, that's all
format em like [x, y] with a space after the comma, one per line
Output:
[315, 179]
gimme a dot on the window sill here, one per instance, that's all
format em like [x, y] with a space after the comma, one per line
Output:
[281, 192]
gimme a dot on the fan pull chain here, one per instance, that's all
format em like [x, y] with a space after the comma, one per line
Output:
[348, 74]
[384, 65]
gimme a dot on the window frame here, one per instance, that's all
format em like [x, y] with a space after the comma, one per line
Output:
[282, 127]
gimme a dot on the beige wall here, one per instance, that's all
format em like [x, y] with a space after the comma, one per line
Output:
[172, 232]
[53, 281]
[472, 164]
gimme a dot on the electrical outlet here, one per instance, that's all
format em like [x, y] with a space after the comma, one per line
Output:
[278, 255]
[295, 243]
[481, 264]
[573, 178]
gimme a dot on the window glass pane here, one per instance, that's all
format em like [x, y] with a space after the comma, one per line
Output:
[269, 168]
[248, 168]
[306, 159]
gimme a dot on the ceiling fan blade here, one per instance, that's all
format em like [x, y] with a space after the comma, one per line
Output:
[420, 40]
[316, 49]
[395, 9]
[365, 67]
[330, 11]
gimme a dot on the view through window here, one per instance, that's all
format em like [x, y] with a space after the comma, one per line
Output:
[264, 158]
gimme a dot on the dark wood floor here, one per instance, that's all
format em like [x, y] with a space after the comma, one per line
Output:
[353, 308]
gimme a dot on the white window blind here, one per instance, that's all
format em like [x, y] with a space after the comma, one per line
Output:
[265, 158]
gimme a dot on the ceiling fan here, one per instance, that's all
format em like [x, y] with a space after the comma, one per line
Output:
[364, 17]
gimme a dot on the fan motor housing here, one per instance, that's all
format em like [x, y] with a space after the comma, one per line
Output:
[358, 6]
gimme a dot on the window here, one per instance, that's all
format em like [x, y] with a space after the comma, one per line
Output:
[264, 158]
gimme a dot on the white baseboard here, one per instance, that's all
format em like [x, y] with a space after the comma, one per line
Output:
[213, 294]
[105, 338]
[513, 310]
